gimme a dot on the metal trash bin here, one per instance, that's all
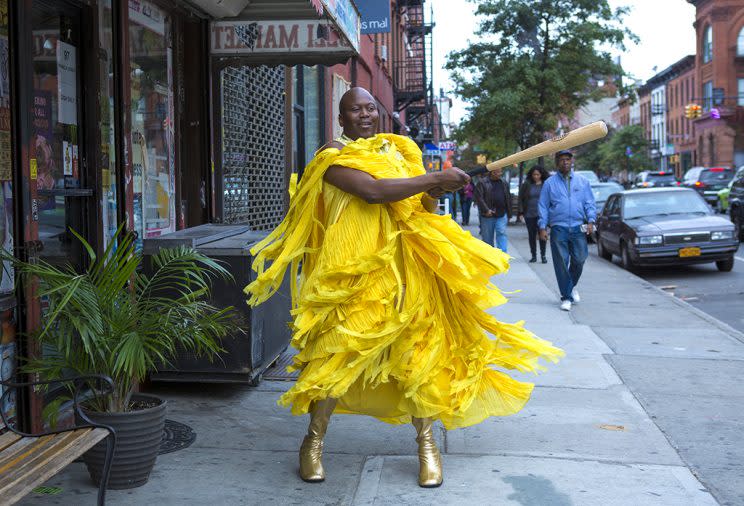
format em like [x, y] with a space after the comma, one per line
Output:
[267, 333]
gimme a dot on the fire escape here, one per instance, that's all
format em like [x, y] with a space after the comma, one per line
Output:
[413, 72]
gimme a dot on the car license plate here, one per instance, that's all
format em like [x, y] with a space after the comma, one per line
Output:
[689, 252]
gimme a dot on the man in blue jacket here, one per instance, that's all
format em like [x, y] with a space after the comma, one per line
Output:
[567, 207]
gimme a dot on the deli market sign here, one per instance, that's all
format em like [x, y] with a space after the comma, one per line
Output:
[238, 38]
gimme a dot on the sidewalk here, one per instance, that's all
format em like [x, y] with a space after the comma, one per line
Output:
[648, 389]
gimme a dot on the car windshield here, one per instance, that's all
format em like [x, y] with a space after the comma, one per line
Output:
[716, 177]
[589, 175]
[661, 178]
[601, 192]
[663, 203]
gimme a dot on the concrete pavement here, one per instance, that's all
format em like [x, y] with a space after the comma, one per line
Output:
[643, 410]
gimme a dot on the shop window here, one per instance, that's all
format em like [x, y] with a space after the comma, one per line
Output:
[741, 92]
[313, 112]
[708, 44]
[152, 109]
[307, 121]
[109, 177]
[7, 286]
[740, 43]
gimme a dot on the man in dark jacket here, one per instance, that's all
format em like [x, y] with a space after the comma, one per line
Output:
[491, 194]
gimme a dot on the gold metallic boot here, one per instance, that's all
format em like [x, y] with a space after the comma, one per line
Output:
[430, 461]
[311, 466]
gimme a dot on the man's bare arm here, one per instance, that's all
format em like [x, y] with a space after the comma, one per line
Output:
[382, 191]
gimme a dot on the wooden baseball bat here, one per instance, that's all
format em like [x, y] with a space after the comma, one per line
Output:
[569, 140]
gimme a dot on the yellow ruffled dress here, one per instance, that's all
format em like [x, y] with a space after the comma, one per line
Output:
[389, 304]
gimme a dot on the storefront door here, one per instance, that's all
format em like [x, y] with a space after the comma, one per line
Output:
[57, 139]
[60, 188]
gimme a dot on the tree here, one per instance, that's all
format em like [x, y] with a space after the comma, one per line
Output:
[625, 150]
[533, 65]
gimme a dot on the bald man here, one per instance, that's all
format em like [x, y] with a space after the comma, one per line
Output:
[359, 117]
[387, 316]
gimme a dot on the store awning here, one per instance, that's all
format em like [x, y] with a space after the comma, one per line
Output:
[286, 32]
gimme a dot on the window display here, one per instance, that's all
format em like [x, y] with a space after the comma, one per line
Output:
[7, 285]
[109, 178]
[153, 151]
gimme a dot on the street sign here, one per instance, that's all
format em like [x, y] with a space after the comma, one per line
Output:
[375, 16]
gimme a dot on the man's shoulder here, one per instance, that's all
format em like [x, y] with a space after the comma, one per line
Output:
[332, 145]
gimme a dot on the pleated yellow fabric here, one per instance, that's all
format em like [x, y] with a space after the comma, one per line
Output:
[389, 306]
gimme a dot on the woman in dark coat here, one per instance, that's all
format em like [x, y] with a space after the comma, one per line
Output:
[529, 195]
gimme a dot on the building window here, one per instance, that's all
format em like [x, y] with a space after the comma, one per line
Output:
[153, 147]
[707, 95]
[740, 43]
[708, 44]
[741, 92]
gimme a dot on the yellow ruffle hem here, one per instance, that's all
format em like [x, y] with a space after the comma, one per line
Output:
[389, 305]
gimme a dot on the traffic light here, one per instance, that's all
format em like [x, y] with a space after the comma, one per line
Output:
[693, 111]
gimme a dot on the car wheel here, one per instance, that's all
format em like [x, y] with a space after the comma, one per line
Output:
[625, 257]
[725, 265]
[602, 251]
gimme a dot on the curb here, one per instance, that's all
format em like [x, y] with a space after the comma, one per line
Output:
[725, 327]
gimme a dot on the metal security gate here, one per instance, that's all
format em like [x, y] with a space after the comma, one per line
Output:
[253, 145]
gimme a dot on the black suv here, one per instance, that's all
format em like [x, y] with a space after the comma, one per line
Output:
[736, 204]
[709, 181]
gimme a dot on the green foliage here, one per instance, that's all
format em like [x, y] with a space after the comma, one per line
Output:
[112, 319]
[609, 155]
[613, 150]
[533, 64]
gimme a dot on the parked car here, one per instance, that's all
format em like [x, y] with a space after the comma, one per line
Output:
[722, 204]
[709, 182]
[691, 176]
[654, 179]
[590, 175]
[603, 190]
[736, 204]
[664, 226]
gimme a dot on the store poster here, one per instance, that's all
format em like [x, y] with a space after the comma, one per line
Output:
[7, 360]
[66, 83]
[7, 276]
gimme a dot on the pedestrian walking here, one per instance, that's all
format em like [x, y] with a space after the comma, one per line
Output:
[529, 196]
[567, 206]
[466, 202]
[389, 306]
[492, 195]
[450, 196]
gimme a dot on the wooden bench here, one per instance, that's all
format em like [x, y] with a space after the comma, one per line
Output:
[29, 460]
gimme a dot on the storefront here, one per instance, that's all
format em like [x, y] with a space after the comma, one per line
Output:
[269, 89]
[104, 120]
[152, 113]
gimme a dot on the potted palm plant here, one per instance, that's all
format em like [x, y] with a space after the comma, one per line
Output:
[113, 319]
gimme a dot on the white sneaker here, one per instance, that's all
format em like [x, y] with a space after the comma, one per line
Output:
[575, 296]
[566, 305]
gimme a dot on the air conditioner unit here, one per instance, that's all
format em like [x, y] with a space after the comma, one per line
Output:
[383, 53]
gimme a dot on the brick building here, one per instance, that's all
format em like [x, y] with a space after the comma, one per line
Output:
[681, 130]
[621, 113]
[719, 76]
